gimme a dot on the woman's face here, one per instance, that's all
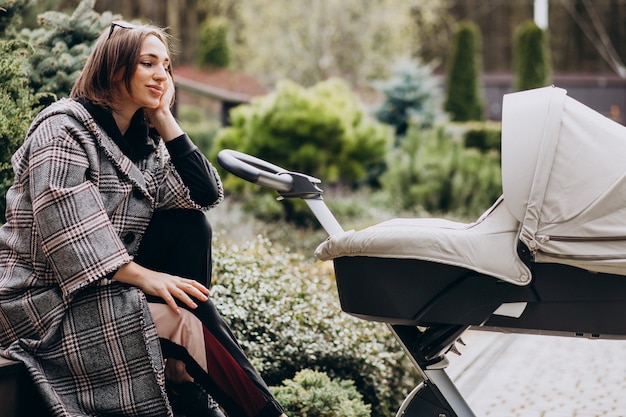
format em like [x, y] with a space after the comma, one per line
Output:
[151, 78]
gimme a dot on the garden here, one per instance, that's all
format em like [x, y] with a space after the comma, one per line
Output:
[420, 152]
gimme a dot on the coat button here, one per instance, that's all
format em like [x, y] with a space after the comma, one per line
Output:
[129, 238]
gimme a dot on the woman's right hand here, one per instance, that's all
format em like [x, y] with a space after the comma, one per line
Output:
[159, 284]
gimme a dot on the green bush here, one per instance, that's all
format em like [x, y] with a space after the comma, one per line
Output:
[485, 136]
[321, 131]
[18, 107]
[314, 394]
[531, 57]
[463, 96]
[285, 311]
[213, 48]
[436, 173]
[199, 127]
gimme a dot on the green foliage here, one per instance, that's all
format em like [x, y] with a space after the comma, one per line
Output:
[484, 136]
[321, 131]
[531, 57]
[463, 99]
[315, 394]
[62, 45]
[434, 172]
[201, 129]
[18, 106]
[285, 311]
[213, 48]
[412, 97]
[10, 13]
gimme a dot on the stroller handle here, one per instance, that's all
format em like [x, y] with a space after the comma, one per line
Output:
[288, 184]
[258, 171]
[255, 170]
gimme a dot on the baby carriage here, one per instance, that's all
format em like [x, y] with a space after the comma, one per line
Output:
[548, 258]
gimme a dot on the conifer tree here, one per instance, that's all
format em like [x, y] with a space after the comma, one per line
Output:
[213, 48]
[62, 45]
[412, 97]
[463, 97]
[531, 57]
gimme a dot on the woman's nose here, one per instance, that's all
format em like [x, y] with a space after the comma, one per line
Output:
[160, 73]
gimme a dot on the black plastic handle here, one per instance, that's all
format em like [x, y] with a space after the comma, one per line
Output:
[258, 171]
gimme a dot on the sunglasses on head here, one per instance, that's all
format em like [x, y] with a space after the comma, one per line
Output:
[120, 24]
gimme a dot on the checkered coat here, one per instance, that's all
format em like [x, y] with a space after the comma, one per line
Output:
[76, 213]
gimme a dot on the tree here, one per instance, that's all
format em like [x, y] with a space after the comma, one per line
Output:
[463, 99]
[412, 97]
[313, 40]
[531, 57]
[213, 49]
[62, 45]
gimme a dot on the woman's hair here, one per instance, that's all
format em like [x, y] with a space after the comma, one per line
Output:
[117, 49]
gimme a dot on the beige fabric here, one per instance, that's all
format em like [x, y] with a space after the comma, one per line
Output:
[487, 246]
[563, 172]
[184, 329]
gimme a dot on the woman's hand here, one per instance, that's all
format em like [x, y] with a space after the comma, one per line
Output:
[161, 117]
[159, 284]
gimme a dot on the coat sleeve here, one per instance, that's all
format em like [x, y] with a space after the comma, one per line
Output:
[76, 235]
[173, 193]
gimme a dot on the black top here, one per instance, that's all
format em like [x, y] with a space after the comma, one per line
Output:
[139, 141]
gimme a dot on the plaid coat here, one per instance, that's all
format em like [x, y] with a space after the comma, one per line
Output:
[76, 213]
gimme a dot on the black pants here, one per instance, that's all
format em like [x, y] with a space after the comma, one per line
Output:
[178, 242]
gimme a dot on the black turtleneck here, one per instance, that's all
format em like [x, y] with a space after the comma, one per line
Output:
[139, 141]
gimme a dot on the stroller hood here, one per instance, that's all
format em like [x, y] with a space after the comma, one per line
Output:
[564, 179]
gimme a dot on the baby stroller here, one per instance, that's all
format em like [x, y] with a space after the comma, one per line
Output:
[549, 257]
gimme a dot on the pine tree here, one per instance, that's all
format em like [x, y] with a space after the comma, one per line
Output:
[531, 57]
[62, 45]
[412, 97]
[463, 99]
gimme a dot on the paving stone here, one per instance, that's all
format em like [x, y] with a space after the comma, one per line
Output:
[505, 375]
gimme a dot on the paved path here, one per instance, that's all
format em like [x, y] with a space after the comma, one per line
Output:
[509, 375]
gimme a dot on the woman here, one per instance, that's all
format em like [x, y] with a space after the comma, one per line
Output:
[105, 254]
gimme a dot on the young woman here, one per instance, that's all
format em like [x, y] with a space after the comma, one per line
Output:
[105, 257]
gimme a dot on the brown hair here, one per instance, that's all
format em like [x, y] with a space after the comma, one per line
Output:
[117, 49]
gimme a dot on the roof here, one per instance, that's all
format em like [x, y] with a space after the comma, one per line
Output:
[220, 83]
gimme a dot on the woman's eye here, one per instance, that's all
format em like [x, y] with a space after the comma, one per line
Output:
[146, 64]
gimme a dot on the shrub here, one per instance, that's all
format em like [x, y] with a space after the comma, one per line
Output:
[485, 136]
[314, 394]
[531, 57]
[199, 127]
[18, 107]
[436, 173]
[463, 99]
[213, 48]
[285, 311]
[412, 97]
[321, 131]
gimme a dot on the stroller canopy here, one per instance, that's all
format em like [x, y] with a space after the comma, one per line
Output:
[564, 197]
[563, 175]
